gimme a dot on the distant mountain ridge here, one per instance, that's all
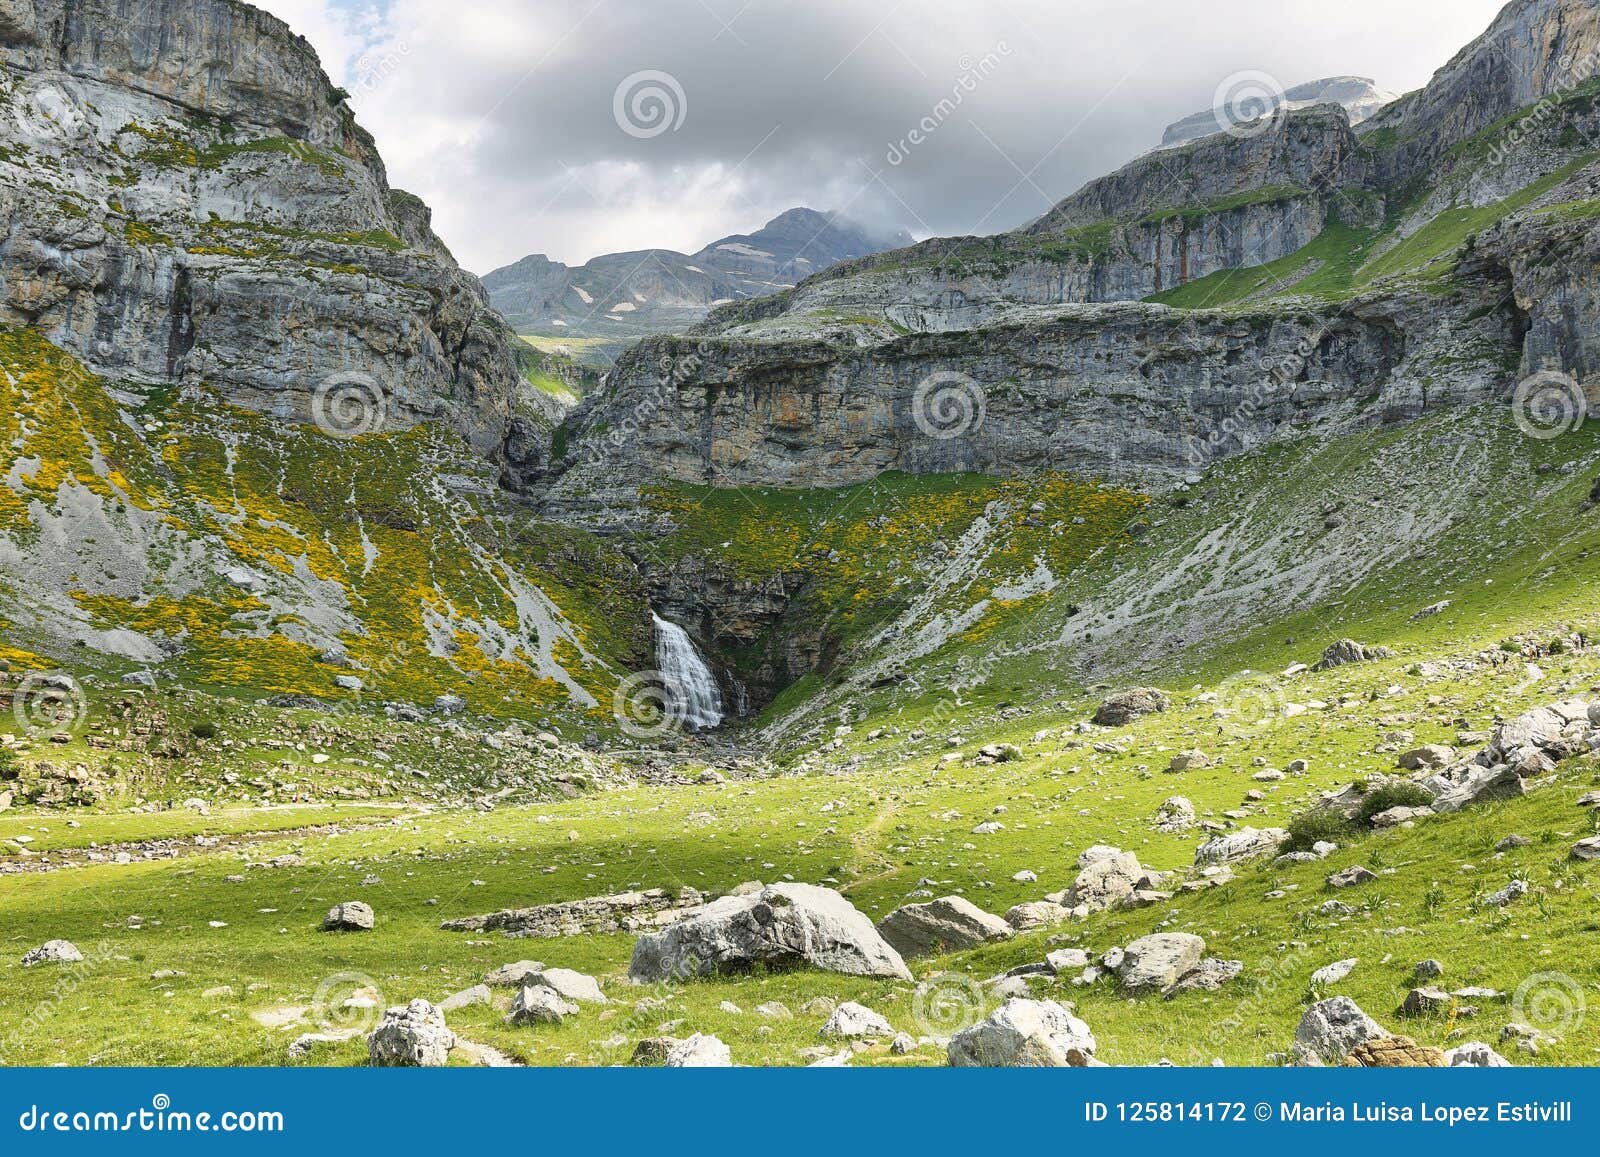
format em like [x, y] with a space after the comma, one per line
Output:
[627, 295]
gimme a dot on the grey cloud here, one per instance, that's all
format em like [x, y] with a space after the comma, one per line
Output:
[802, 103]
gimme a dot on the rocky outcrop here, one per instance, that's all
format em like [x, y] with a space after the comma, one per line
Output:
[1331, 1030]
[1306, 151]
[948, 924]
[1024, 1034]
[599, 915]
[411, 1036]
[186, 198]
[782, 926]
[1117, 391]
[1535, 49]
[1359, 96]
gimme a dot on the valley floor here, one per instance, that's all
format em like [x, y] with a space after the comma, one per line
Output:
[217, 957]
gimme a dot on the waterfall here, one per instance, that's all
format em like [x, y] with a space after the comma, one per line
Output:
[692, 695]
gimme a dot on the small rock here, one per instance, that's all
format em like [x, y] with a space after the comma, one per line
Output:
[1423, 1001]
[1335, 972]
[1351, 876]
[851, 1020]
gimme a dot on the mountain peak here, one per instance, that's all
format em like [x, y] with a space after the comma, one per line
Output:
[624, 296]
[1359, 96]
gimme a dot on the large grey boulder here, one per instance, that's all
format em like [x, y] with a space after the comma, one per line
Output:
[1176, 814]
[1105, 875]
[53, 952]
[1156, 961]
[1037, 914]
[1330, 1030]
[576, 986]
[1024, 1034]
[1126, 706]
[538, 1004]
[949, 924]
[1349, 651]
[409, 1037]
[1481, 786]
[351, 916]
[781, 926]
[1244, 844]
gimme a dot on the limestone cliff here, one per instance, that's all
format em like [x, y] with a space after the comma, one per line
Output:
[186, 199]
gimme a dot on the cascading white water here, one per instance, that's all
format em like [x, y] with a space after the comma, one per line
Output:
[692, 695]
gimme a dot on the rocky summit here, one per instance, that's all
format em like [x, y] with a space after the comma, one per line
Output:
[1162, 632]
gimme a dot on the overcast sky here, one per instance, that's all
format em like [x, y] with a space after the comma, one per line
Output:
[507, 116]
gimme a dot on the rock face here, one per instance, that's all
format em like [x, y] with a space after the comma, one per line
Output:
[1528, 53]
[1024, 1034]
[201, 206]
[782, 926]
[950, 924]
[409, 1037]
[809, 412]
[1032, 345]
